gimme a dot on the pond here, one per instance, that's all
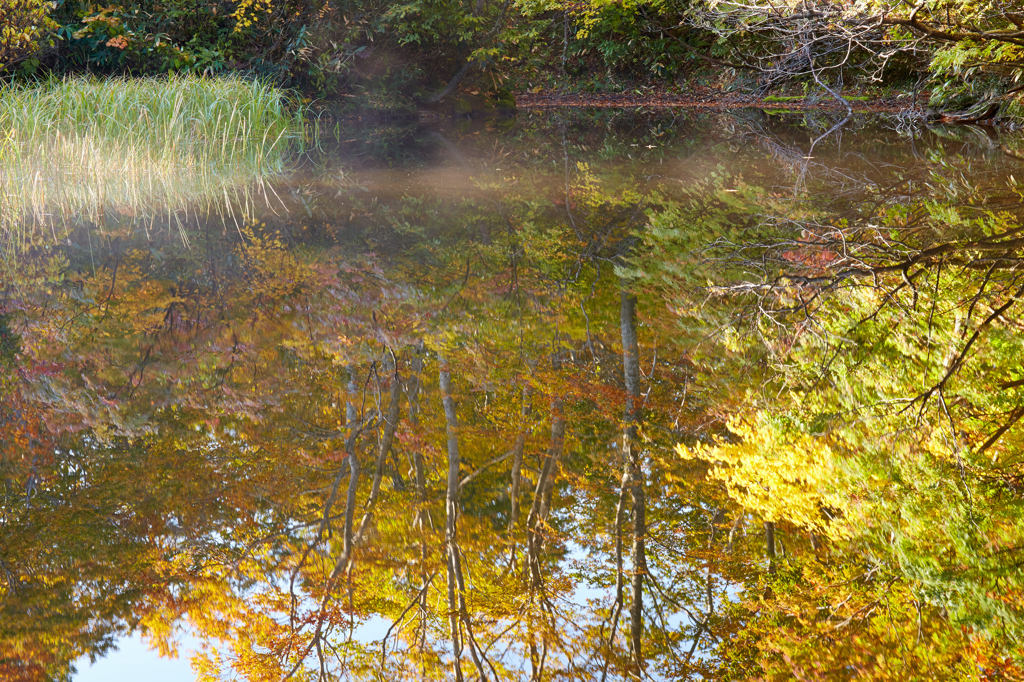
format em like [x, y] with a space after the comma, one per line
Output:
[571, 395]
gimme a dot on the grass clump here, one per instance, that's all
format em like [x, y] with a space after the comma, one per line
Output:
[81, 149]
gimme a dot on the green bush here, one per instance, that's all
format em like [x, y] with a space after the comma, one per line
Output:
[632, 40]
[144, 37]
[25, 27]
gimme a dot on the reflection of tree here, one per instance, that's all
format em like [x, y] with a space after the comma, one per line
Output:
[283, 375]
[892, 333]
[439, 452]
[893, 274]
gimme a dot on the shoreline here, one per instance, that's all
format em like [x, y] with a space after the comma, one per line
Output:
[706, 98]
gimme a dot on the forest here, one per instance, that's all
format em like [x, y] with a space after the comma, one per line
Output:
[512, 339]
[944, 57]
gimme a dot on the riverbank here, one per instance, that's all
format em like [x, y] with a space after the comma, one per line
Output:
[712, 98]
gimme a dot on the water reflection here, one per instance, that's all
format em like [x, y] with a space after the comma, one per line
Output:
[130, 155]
[601, 397]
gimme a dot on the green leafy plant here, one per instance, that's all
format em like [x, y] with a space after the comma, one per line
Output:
[25, 28]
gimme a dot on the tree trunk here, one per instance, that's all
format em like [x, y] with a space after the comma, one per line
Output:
[452, 84]
[470, 63]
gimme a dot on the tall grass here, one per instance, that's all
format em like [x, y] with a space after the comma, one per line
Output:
[86, 149]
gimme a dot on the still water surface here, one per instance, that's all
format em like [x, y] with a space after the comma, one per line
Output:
[570, 396]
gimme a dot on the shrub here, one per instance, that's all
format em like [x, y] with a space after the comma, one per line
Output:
[25, 27]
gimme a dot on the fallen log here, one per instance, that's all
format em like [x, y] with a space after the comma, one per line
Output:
[982, 118]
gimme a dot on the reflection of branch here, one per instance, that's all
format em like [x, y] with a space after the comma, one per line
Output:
[810, 152]
[958, 361]
[350, 502]
[390, 426]
[1014, 418]
[414, 602]
[344, 560]
[492, 462]
[476, 648]
[664, 632]
[701, 623]
[462, 286]
[924, 256]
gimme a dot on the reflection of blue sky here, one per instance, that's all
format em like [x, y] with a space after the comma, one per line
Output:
[134, 661]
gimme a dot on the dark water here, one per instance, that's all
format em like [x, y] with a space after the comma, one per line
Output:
[570, 396]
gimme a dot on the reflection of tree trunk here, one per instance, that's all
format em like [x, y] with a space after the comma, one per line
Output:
[716, 520]
[632, 483]
[456, 582]
[451, 510]
[350, 508]
[354, 429]
[352, 393]
[630, 361]
[631, 452]
[538, 656]
[424, 613]
[639, 560]
[620, 520]
[555, 456]
[413, 392]
[390, 425]
[542, 495]
[736, 525]
[517, 462]
[539, 511]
